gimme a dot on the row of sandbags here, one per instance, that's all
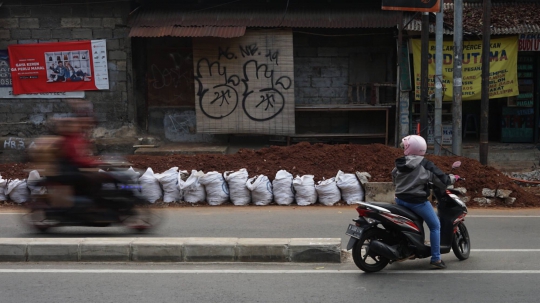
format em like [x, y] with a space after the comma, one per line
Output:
[215, 188]
[236, 186]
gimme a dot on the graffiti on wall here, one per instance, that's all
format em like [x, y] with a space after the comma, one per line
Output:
[245, 85]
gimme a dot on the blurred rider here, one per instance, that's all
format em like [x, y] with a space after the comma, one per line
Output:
[411, 177]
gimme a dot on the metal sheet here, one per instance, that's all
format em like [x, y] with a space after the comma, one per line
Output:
[176, 31]
[331, 18]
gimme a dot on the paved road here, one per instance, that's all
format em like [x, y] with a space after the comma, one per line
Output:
[503, 266]
[487, 228]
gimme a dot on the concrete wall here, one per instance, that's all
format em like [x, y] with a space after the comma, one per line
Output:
[23, 22]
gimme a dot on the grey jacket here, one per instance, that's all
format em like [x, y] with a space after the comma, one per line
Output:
[412, 175]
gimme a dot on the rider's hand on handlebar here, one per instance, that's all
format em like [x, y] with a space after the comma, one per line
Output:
[457, 177]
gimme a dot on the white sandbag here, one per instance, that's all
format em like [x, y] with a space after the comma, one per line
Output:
[193, 190]
[283, 188]
[261, 190]
[17, 191]
[169, 182]
[151, 191]
[34, 177]
[3, 186]
[351, 191]
[305, 190]
[328, 192]
[217, 190]
[183, 175]
[238, 191]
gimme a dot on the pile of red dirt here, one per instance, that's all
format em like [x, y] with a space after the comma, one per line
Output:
[324, 161]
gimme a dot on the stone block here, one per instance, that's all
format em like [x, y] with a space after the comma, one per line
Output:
[363, 177]
[41, 34]
[4, 34]
[304, 92]
[340, 62]
[110, 22]
[462, 190]
[509, 200]
[104, 33]
[321, 82]
[105, 249]
[91, 22]
[333, 92]
[63, 33]
[121, 65]
[28, 41]
[503, 193]
[342, 82]
[5, 43]
[120, 33]
[157, 249]
[21, 34]
[117, 55]
[70, 22]
[486, 192]
[113, 45]
[305, 52]
[323, 250]
[482, 201]
[379, 192]
[28, 23]
[331, 72]
[210, 249]
[53, 249]
[304, 82]
[82, 33]
[9, 23]
[327, 52]
[13, 249]
[262, 250]
[51, 11]
[52, 23]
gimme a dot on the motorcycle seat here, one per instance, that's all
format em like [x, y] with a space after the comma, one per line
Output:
[400, 210]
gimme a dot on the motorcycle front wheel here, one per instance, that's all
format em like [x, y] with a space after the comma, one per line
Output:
[363, 258]
[461, 245]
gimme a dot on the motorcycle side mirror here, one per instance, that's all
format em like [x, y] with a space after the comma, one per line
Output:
[456, 164]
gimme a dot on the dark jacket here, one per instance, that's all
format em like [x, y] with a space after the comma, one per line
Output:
[412, 175]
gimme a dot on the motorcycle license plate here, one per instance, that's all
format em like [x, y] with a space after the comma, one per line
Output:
[354, 231]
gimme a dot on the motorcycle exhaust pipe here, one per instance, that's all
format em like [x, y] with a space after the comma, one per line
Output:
[384, 250]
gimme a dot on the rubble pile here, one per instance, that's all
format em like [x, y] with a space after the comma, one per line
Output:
[323, 161]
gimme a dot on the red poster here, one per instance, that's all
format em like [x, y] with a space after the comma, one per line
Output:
[59, 67]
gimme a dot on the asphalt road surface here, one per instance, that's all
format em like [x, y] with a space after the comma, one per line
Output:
[503, 266]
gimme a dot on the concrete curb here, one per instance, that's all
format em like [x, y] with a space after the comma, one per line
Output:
[320, 250]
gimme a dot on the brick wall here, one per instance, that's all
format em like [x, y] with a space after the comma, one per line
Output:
[22, 22]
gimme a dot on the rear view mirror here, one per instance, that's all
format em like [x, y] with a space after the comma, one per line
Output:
[456, 164]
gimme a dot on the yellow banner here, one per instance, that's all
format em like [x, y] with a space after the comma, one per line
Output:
[502, 68]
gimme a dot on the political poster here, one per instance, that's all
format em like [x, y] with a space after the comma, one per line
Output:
[502, 68]
[58, 67]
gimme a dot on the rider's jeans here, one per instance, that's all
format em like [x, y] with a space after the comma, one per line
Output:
[426, 211]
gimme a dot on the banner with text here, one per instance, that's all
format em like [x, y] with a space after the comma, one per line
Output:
[502, 76]
[6, 91]
[59, 67]
[529, 42]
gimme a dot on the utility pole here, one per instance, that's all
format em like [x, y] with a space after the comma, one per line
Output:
[437, 129]
[484, 106]
[424, 76]
[458, 58]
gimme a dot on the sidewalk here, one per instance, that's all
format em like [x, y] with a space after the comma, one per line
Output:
[319, 250]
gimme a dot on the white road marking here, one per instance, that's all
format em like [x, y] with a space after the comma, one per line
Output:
[505, 250]
[262, 271]
[500, 216]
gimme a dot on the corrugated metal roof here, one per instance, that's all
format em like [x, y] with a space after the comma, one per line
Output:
[331, 18]
[501, 14]
[191, 31]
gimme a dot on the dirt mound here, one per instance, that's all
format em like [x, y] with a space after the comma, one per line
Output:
[323, 161]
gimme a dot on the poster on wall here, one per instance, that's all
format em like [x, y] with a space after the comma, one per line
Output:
[245, 84]
[6, 90]
[502, 68]
[59, 67]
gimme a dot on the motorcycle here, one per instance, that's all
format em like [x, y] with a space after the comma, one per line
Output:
[385, 233]
[114, 201]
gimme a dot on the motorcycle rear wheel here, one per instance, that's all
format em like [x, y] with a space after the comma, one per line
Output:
[365, 260]
[461, 244]
[141, 219]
